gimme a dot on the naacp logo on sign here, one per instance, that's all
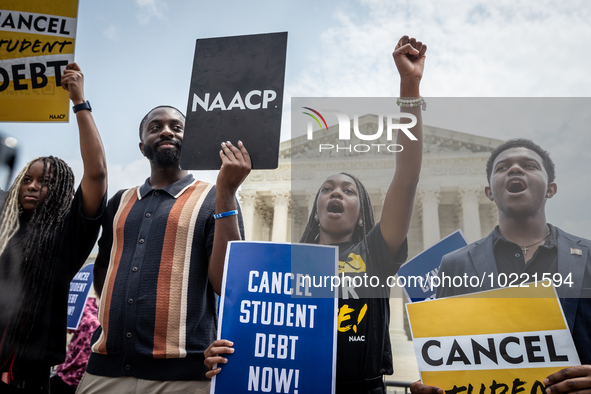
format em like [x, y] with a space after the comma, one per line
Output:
[253, 100]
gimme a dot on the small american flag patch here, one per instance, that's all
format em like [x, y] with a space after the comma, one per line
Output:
[578, 252]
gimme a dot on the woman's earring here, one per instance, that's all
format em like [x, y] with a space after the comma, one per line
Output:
[360, 223]
[316, 216]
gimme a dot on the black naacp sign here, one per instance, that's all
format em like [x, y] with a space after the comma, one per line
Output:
[236, 94]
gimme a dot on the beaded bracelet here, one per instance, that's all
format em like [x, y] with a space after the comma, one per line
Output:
[224, 214]
[412, 103]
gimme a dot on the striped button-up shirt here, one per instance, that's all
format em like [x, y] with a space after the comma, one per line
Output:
[158, 309]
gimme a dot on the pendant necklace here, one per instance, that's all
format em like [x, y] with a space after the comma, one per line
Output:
[524, 248]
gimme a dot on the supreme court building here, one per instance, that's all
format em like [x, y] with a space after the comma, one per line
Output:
[450, 196]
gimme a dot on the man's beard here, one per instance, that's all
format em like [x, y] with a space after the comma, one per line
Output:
[163, 158]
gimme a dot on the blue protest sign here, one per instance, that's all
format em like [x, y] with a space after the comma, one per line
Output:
[416, 274]
[284, 336]
[79, 288]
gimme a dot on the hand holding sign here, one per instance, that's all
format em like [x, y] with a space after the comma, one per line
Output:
[73, 82]
[570, 380]
[419, 388]
[212, 355]
[236, 166]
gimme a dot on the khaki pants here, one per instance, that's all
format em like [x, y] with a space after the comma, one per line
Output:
[92, 384]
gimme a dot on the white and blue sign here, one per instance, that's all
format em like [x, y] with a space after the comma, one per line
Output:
[417, 273]
[283, 328]
[79, 288]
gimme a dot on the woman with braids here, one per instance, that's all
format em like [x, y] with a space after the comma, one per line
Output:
[46, 233]
[342, 215]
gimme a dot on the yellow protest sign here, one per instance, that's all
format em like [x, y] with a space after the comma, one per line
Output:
[494, 342]
[37, 40]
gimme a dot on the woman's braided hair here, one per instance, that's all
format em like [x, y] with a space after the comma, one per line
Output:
[38, 248]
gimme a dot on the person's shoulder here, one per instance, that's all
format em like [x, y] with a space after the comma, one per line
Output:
[205, 193]
[462, 253]
[209, 189]
[121, 191]
[573, 238]
[207, 185]
[198, 183]
[117, 196]
[115, 200]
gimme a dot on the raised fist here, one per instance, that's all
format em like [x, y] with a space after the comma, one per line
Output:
[409, 57]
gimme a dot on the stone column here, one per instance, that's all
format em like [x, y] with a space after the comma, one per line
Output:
[429, 197]
[280, 211]
[396, 295]
[310, 200]
[265, 215]
[469, 197]
[397, 312]
[248, 203]
[298, 223]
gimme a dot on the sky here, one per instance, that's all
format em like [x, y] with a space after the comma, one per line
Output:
[137, 54]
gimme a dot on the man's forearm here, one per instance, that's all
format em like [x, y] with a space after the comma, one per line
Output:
[226, 230]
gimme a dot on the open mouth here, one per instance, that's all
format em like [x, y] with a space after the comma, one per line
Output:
[516, 186]
[335, 206]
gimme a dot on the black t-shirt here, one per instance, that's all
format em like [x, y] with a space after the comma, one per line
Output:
[78, 236]
[363, 338]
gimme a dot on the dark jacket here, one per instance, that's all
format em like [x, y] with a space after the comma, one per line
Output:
[478, 259]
